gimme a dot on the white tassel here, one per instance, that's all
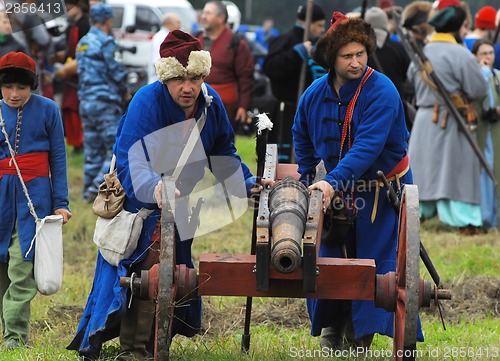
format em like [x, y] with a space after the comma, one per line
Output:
[263, 122]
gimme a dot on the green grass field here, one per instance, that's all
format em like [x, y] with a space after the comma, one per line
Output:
[280, 331]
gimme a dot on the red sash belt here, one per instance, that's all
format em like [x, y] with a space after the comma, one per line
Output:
[400, 167]
[227, 92]
[32, 165]
[394, 175]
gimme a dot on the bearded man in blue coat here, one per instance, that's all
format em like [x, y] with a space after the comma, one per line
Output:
[177, 98]
[353, 120]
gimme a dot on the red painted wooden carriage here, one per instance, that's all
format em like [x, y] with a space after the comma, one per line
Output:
[271, 271]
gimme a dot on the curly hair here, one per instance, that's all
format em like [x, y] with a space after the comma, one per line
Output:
[346, 31]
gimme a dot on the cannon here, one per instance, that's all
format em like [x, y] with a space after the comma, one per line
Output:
[285, 262]
[288, 202]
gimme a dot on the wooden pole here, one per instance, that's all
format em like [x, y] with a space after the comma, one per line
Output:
[303, 69]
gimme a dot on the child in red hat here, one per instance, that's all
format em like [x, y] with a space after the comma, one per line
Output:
[32, 124]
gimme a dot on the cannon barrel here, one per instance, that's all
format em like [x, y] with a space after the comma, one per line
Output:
[288, 205]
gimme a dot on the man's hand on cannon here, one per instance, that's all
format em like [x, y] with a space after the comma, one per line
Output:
[328, 192]
[157, 193]
[255, 189]
[262, 182]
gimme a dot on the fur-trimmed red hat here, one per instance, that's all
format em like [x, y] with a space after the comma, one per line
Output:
[180, 54]
[343, 31]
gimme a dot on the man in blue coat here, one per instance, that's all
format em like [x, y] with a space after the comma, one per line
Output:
[352, 119]
[145, 148]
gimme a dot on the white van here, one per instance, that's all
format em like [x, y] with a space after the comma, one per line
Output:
[136, 21]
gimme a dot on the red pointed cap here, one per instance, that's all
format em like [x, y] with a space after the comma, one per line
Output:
[337, 18]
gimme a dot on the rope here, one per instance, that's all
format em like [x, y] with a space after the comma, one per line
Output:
[346, 131]
[12, 154]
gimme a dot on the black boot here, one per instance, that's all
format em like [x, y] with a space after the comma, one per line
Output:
[136, 330]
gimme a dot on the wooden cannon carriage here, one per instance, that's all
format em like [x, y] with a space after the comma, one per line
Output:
[284, 265]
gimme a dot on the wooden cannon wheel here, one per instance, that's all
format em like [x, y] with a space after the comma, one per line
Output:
[407, 276]
[170, 284]
[165, 300]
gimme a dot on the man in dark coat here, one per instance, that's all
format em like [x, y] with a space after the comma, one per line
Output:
[390, 57]
[283, 66]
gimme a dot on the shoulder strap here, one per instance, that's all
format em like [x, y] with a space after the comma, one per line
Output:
[144, 212]
[346, 130]
[235, 42]
[112, 165]
[192, 139]
[194, 135]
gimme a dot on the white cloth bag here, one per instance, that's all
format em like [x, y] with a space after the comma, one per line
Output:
[49, 254]
[117, 237]
[48, 265]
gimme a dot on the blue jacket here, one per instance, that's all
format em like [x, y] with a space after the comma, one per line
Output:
[41, 131]
[101, 76]
[380, 136]
[379, 141]
[151, 110]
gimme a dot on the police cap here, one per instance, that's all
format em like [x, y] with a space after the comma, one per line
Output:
[101, 12]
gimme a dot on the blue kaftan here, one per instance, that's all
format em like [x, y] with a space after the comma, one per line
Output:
[379, 142]
[152, 109]
[41, 131]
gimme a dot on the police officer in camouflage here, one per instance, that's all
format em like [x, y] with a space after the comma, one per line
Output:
[102, 92]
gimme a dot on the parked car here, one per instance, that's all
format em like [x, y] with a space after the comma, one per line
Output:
[135, 22]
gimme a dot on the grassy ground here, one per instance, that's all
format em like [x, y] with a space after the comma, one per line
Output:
[468, 265]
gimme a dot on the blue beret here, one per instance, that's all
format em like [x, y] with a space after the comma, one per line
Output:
[101, 12]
